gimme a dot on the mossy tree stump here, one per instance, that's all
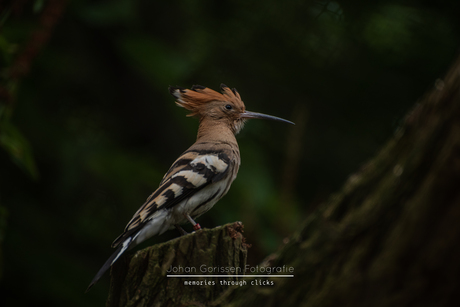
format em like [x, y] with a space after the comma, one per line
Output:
[141, 279]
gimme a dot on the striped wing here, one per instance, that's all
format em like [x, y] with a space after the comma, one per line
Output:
[193, 171]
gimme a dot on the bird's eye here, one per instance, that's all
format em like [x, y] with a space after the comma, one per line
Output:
[228, 107]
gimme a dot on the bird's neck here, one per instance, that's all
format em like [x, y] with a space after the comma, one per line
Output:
[215, 131]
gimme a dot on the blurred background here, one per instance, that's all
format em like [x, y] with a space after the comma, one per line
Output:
[88, 127]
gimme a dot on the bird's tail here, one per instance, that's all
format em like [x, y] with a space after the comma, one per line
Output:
[114, 257]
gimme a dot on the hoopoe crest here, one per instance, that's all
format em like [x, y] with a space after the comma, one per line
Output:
[200, 176]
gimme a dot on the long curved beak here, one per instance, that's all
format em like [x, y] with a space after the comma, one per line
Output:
[248, 114]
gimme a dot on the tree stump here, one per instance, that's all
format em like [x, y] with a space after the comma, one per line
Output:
[141, 279]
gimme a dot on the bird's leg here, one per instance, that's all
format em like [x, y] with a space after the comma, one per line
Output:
[196, 226]
[181, 230]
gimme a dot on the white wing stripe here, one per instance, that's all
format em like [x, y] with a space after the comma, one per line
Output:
[212, 162]
[177, 189]
[192, 177]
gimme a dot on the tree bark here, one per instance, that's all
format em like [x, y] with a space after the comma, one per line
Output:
[390, 237]
[141, 279]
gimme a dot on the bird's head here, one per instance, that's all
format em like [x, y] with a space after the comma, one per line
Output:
[226, 107]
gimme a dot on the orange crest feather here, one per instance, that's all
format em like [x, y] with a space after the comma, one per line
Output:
[198, 96]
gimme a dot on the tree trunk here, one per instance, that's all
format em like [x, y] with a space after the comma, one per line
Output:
[390, 237]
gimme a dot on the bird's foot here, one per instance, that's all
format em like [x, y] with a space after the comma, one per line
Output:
[196, 226]
[181, 230]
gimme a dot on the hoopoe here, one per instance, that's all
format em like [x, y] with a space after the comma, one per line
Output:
[200, 176]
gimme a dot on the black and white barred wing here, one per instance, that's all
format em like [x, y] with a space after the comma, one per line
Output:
[189, 174]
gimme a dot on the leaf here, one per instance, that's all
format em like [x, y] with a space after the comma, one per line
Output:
[16, 145]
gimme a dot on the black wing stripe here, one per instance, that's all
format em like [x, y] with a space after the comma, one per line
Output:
[190, 176]
[176, 166]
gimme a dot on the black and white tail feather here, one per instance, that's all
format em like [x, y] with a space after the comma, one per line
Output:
[114, 257]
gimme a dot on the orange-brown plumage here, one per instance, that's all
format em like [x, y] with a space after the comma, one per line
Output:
[199, 99]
